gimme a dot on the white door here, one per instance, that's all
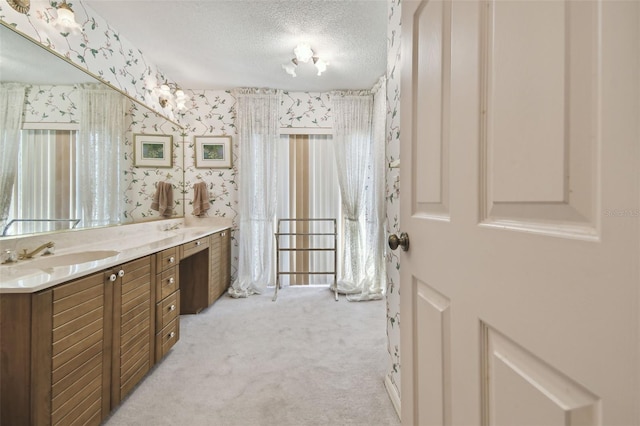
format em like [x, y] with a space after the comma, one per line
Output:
[520, 194]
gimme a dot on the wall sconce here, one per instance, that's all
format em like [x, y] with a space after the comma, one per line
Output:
[170, 96]
[303, 53]
[66, 19]
[21, 6]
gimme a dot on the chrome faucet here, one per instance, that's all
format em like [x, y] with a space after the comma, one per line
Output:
[25, 255]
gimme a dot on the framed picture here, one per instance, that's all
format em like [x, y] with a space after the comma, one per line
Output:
[152, 150]
[213, 152]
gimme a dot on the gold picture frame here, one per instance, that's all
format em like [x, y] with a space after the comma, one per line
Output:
[213, 152]
[153, 151]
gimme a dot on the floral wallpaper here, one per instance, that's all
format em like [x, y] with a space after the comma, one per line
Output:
[51, 104]
[309, 110]
[392, 219]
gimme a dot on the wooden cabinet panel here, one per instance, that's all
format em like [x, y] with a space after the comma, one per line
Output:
[194, 283]
[80, 314]
[219, 265]
[133, 325]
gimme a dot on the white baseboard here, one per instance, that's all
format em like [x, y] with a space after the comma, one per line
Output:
[393, 395]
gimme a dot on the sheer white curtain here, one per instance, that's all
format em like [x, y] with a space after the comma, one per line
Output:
[373, 284]
[358, 135]
[101, 132]
[352, 112]
[257, 123]
[11, 107]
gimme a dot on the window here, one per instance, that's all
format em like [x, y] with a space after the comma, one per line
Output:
[308, 188]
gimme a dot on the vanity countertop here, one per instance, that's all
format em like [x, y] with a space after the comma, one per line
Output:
[32, 275]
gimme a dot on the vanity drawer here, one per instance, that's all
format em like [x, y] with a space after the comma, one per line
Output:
[193, 247]
[166, 283]
[167, 310]
[168, 337]
[166, 259]
[187, 249]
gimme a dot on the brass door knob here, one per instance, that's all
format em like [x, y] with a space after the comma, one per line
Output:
[402, 241]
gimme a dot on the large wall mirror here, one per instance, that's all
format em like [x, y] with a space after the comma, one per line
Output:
[70, 162]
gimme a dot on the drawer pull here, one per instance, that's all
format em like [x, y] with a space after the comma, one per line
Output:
[172, 334]
[113, 277]
[198, 243]
[172, 307]
[121, 273]
[172, 259]
[172, 280]
[223, 234]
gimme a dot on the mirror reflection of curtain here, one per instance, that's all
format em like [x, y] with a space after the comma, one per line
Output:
[358, 137]
[257, 122]
[102, 128]
[45, 184]
[11, 108]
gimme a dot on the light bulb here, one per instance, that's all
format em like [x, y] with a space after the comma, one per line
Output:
[303, 52]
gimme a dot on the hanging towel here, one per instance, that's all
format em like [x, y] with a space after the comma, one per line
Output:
[200, 199]
[163, 199]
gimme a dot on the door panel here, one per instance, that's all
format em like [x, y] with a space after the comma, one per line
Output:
[431, 140]
[539, 130]
[517, 383]
[520, 192]
[433, 373]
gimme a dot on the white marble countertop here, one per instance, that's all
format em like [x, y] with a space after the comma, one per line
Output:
[32, 275]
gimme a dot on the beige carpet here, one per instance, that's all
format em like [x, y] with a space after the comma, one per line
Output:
[303, 360]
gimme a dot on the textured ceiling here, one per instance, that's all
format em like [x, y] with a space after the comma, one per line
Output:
[219, 44]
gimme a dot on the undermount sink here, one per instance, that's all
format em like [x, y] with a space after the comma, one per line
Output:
[53, 261]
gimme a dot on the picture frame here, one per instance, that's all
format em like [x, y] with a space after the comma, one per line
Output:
[152, 150]
[213, 152]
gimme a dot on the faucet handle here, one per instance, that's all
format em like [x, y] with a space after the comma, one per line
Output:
[8, 256]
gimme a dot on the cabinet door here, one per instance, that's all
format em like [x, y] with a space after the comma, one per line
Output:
[134, 325]
[81, 331]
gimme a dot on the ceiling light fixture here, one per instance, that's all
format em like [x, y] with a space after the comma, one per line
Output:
[66, 19]
[303, 54]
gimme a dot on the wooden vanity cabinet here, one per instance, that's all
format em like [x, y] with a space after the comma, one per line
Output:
[167, 326]
[69, 354]
[56, 354]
